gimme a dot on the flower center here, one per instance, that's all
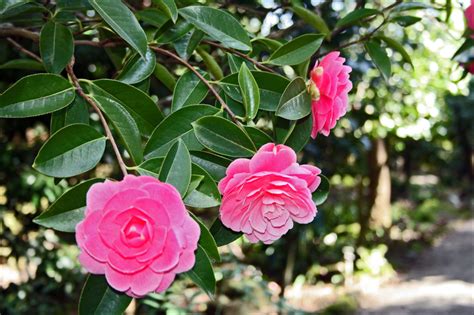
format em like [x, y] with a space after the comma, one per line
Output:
[313, 90]
[135, 232]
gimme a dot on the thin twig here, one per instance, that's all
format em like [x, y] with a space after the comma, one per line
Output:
[24, 50]
[80, 91]
[238, 53]
[209, 86]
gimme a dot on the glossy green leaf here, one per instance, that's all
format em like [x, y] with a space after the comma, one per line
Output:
[397, 47]
[299, 134]
[176, 167]
[152, 16]
[56, 46]
[206, 240]
[271, 88]
[202, 273]
[75, 113]
[270, 44]
[258, 136]
[72, 150]
[356, 16]
[206, 194]
[311, 18]
[411, 5]
[321, 193]
[219, 25]
[235, 62]
[188, 90]
[223, 235]
[165, 76]
[177, 126]
[23, 64]
[214, 164]
[142, 108]
[97, 298]
[295, 102]
[123, 22]
[297, 50]
[407, 20]
[211, 64]
[170, 33]
[379, 57]
[250, 91]
[123, 124]
[222, 136]
[36, 94]
[137, 68]
[68, 210]
[186, 45]
[151, 167]
[169, 7]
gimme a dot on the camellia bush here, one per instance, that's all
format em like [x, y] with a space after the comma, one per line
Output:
[234, 110]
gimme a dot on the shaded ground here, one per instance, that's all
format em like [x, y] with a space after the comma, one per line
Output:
[441, 282]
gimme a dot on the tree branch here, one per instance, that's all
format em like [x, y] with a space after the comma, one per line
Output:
[24, 50]
[238, 53]
[209, 86]
[80, 91]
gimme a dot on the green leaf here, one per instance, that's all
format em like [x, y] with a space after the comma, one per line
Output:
[271, 88]
[72, 150]
[56, 46]
[214, 164]
[321, 193]
[176, 126]
[270, 44]
[219, 25]
[123, 22]
[235, 62]
[411, 6]
[124, 125]
[356, 16]
[379, 57]
[151, 167]
[75, 113]
[258, 136]
[176, 167]
[295, 102]
[188, 90]
[222, 234]
[164, 76]
[206, 240]
[138, 69]
[142, 108]
[152, 16]
[250, 91]
[68, 210]
[169, 7]
[300, 133]
[311, 18]
[397, 47]
[205, 194]
[211, 64]
[169, 33]
[99, 299]
[223, 137]
[407, 20]
[297, 50]
[186, 45]
[202, 273]
[35, 95]
[23, 64]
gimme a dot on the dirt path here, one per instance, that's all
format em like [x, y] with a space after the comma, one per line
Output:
[441, 282]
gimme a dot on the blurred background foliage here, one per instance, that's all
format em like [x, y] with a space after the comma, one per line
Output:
[400, 165]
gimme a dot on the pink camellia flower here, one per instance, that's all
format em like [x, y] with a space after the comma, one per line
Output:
[264, 195]
[329, 87]
[138, 233]
[469, 13]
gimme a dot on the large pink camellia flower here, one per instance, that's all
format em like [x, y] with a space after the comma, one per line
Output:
[469, 13]
[329, 87]
[264, 195]
[138, 233]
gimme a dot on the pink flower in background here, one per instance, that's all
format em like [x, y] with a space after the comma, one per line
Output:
[138, 233]
[263, 196]
[329, 87]
[469, 13]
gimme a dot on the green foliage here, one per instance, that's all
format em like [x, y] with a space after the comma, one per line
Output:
[56, 46]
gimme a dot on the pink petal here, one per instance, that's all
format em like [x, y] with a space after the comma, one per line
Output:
[124, 265]
[99, 194]
[272, 158]
[145, 281]
[170, 198]
[124, 200]
[166, 281]
[169, 258]
[118, 280]
[186, 262]
[90, 264]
